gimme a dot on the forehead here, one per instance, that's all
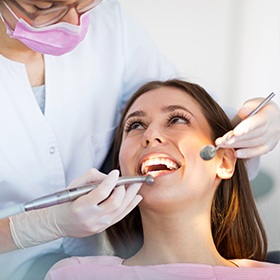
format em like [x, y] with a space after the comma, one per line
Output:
[154, 102]
[158, 98]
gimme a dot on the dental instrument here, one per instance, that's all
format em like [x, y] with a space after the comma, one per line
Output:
[68, 195]
[209, 151]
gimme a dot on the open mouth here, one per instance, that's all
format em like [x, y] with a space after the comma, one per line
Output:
[157, 165]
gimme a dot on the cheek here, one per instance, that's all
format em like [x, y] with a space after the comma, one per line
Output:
[126, 158]
[190, 146]
[196, 170]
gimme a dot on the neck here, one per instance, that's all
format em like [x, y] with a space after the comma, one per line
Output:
[177, 239]
[14, 50]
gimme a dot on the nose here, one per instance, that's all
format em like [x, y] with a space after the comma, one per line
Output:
[152, 137]
[71, 17]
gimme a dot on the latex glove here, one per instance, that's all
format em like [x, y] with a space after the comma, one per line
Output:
[101, 208]
[89, 214]
[256, 135]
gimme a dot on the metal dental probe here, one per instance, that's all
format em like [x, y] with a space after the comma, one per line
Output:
[209, 151]
[68, 195]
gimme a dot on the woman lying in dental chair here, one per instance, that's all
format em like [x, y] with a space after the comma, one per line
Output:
[199, 219]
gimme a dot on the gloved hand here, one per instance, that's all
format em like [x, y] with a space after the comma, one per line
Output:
[257, 134]
[89, 214]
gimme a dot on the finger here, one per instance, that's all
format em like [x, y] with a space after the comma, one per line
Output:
[261, 132]
[114, 215]
[258, 135]
[244, 112]
[249, 106]
[259, 145]
[268, 140]
[120, 198]
[131, 192]
[95, 215]
[103, 190]
[113, 201]
[131, 200]
[136, 200]
[224, 139]
[250, 153]
[109, 220]
[248, 143]
[248, 125]
[92, 175]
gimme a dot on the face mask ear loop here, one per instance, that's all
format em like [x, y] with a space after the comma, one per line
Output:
[2, 18]
[5, 23]
[9, 29]
[10, 10]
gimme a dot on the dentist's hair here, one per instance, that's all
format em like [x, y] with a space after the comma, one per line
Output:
[236, 225]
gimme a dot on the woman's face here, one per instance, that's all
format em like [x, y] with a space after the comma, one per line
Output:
[164, 132]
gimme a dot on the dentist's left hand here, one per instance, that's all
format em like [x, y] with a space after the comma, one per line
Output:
[258, 134]
[87, 215]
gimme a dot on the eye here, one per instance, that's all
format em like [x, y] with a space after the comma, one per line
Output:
[133, 124]
[179, 118]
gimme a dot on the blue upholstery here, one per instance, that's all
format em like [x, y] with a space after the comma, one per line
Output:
[273, 257]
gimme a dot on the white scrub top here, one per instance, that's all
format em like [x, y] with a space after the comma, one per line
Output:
[84, 91]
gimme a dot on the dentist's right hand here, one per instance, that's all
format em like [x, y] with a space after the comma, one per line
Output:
[89, 214]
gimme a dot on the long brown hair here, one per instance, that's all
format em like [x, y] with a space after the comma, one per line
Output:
[236, 225]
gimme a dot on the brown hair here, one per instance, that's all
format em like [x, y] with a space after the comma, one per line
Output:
[236, 225]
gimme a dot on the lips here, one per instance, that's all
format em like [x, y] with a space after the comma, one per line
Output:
[157, 164]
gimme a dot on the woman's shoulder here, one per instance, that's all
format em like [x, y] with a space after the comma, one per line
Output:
[110, 267]
[249, 270]
[100, 260]
[253, 263]
[71, 268]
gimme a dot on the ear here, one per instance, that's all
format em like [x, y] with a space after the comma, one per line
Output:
[227, 165]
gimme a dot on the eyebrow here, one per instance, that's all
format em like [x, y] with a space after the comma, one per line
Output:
[138, 113]
[170, 108]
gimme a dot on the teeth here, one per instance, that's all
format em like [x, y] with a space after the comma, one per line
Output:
[152, 165]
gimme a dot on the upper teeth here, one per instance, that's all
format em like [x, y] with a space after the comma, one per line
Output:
[158, 161]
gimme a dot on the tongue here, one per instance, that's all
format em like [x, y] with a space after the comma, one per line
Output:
[157, 167]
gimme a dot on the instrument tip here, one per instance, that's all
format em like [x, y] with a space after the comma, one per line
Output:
[149, 180]
[207, 152]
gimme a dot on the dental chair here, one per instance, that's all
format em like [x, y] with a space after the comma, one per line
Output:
[273, 257]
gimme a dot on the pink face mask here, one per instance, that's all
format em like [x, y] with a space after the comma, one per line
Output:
[56, 39]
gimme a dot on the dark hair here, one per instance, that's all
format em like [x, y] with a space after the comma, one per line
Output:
[236, 225]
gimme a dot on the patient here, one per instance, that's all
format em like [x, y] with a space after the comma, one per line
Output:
[199, 219]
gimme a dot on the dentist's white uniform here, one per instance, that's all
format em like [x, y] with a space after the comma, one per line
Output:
[42, 153]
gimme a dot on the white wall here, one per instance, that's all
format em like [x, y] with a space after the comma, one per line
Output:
[231, 47]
